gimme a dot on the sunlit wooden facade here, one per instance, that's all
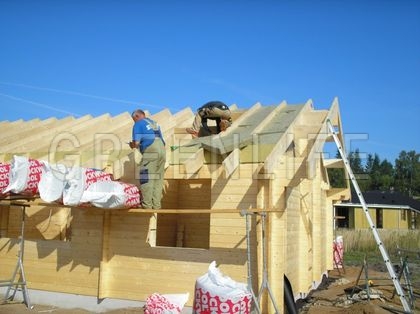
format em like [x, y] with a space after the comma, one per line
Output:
[270, 160]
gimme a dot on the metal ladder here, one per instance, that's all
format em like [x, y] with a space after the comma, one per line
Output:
[382, 249]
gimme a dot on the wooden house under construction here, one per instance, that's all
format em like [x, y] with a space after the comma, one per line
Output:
[270, 162]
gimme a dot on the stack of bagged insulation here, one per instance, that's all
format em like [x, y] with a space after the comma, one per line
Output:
[73, 186]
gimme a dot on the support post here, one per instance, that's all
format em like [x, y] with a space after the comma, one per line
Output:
[264, 284]
[249, 258]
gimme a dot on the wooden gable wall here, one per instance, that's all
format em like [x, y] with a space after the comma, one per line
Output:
[274, 164]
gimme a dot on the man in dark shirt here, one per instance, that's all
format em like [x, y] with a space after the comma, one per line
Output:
[213, 110]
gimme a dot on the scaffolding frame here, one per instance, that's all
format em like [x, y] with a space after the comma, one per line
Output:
[18, 278]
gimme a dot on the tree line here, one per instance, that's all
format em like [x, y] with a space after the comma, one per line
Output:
[381, 175]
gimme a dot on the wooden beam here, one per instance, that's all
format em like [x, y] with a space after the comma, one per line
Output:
[162, 115]
[333, 163]
[313, 117]
[38, 202]
[233, 107]
[103, 283]
[338, 194]
[279, 149]
[221, 144]
[184, 117]
[282, 145]
[231, 162]
[194, 162]
[242, 118]
[321, 138]
[180, 131]
[12, 144]
[306, 131]
[270, 117]
[165, 120]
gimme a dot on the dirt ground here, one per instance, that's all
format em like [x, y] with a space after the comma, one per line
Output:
[340, 294]
[331, 297]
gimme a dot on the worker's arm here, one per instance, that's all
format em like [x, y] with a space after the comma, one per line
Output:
[133, 144]
[136, 135]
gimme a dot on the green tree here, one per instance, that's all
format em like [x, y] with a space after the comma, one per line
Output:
[358, 170]
[337, 175]
[356, 162]
[387, 175]
[407, 173]
[379, 174]
[372, 172]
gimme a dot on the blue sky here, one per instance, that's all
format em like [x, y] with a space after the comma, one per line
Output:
[61, 58]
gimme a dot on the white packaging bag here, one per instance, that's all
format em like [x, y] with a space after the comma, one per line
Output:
[52, 182]
[25, 174]
[217, 293]
[78, 180]
[112, 194]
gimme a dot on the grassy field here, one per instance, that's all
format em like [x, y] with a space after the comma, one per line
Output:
[361, 244]
[362, 240]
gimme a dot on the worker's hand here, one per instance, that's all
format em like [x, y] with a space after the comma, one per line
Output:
[223, 125]
[132, 144]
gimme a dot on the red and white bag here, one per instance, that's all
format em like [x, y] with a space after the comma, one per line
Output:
[338, 252]
[78, 181]
[4, 176]
[25, 174]
[112, 194]
[216, 293]
[165, 303]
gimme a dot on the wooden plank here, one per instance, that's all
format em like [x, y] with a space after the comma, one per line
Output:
[4, 221]
[156, 265]
[181, 131]
[333, 163]
[162, 116]
[193, 163]
[106, 230]
[306, 131]
[17, 132]
[41, 141]
[316, 151]
[281, 146]
[338, 194]
[312, 117]
[269, 117]
[163, 211]
[231, 162]
[184, 118]
[248, 113]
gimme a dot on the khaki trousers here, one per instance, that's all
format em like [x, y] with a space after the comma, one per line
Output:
[152, 167]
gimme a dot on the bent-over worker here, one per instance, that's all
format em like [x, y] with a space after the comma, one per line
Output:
[213, 110]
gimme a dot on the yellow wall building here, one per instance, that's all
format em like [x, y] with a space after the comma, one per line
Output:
[388, 210]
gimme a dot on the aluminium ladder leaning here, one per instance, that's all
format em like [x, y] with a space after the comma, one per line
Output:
[381, 246]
